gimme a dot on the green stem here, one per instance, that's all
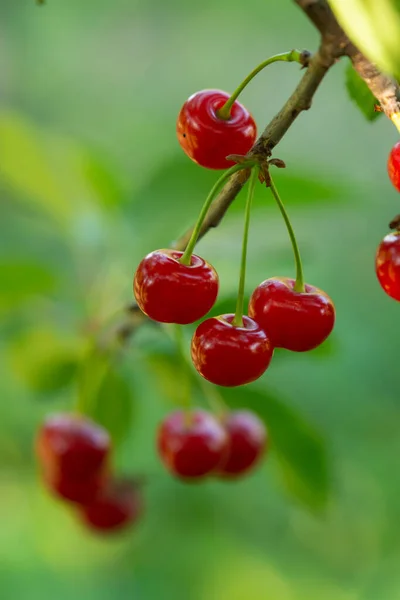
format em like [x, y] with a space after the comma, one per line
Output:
[299, 284]
[293, 56]
[187, 255]
[214, 398]
[186, 387]
[238, 320]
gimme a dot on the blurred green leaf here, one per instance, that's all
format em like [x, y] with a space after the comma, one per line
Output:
[105, 394]
[296, 188]
[93, 372]
[361, 95]
[20, 280]
[300, 448]
[25, 166]
[375, 29]
[113, 405]
[173, 196]
[45, 362]
[103, 181]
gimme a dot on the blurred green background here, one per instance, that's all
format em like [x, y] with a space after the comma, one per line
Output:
[92, 178]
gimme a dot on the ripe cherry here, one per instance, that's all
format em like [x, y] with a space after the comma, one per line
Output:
[191, 444]
[208, 139]
[387, 264]
[118, 504]
[229, 355]
[247, 442]
[170, 292]
[394, 166]
[80, 491]
[72, 447]
[297, 321]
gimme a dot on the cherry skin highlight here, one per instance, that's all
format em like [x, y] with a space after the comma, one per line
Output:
[191, 444]
[208, 139]
[228, 355]
[297, 321]
[247, 443]
[170, 292]
[117, 505]
[387, 264]
[72, 447]
[393, 166]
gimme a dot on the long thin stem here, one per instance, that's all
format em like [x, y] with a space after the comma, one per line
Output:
[186, 386]
[238, 320]
[187, 255]
[293, 56]
[299, 284]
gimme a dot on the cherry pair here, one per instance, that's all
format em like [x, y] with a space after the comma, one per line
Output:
[194, 444]
[279, 317]
[74, 458]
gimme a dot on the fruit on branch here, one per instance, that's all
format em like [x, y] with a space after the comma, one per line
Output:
[208, 139]
[171, 292]
[247, 442]
[387, 264]
[191, 443]
[297, 321]
[118, 504]
[230, 355]
[72, 447]
[393, 166]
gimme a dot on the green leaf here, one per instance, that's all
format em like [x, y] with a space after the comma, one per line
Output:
[25, 166]
[112, 407]
[360, 93]
[45, 362]
[177, 190]
[102, 180]
[20, 280]
[104, 394]
[299, 446]
[374, 27]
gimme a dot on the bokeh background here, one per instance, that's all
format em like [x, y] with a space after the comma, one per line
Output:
[92, 178]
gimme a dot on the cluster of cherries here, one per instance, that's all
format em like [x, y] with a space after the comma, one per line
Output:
[194, 444]
[74, 456]
[171, 286]
[388, 255]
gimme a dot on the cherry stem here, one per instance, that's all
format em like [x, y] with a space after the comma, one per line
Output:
[186, 257]
[293, 56]
[299, 283]
[238, 319]
[186, 387]
[214, 398]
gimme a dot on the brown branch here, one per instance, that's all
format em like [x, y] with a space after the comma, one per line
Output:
[383, 87]
[334, 44]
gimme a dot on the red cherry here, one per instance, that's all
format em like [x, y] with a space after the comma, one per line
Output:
[208, 139]
[191, 444]
[387, 264]
[394, 166]
[170, 292]
[297, 321]
[118, 504]
[72, 447]
[228, 355]
[247, 442]
[80, 491]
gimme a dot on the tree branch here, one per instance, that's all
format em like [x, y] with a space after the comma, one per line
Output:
[334, 44]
